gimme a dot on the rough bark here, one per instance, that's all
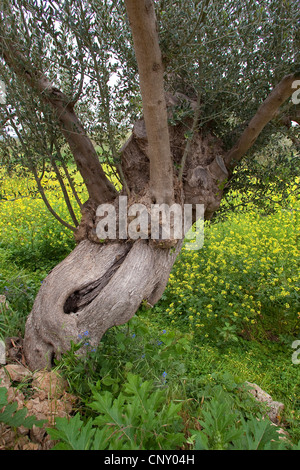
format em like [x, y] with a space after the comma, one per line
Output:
[204, 174]
[93, 289]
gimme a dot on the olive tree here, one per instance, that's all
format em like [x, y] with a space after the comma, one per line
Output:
[198, 84]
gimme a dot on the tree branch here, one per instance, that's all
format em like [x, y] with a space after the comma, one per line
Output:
[64, 191]
[104, 93]
[69, 177]
[265, 114]
[142, 21]
[190, 139]
[100, 189]
[48, 205]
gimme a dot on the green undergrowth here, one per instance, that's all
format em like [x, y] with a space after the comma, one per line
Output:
[176, 375]
[148, 388]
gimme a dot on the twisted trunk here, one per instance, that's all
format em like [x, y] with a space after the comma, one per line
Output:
[101, 285]
[93, 289]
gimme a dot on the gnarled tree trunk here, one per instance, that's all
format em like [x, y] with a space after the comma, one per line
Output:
[100, 285]
[93, 289]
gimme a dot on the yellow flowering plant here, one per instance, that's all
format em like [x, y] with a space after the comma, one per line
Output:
[246, 276]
